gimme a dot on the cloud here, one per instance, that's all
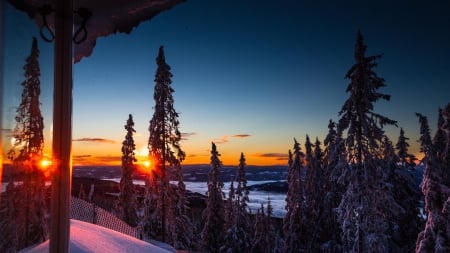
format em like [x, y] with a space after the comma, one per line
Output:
[108, 159]
[241, 135]
[102, 140]
[277, 156]
[199, 155]
[81, 156]
[95, 160]
[185, 136]
[222, 140]
[225, 138]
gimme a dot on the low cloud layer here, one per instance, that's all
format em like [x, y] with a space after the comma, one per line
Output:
[241, 136]
[277, 156]
[101, 140]
[185, 136]
[225, 138]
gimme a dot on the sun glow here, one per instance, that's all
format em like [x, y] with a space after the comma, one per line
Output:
[45, 165]
[145, 165]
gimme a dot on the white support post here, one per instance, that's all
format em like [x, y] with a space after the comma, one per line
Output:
[62, 128]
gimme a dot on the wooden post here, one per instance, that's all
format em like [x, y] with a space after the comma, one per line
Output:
[62, 128]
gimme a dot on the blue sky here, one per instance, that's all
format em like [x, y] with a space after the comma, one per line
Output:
[249, 75]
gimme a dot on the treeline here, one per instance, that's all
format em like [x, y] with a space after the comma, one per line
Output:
[353, 193]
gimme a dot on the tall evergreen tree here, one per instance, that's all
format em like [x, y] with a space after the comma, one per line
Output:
[237, 220]
[365, 205]
[241, 190]
[406, 159]
[405, 224]
[243, 211]
[127, 197]
[163, 144]
[435, 184]
[213, 230]
[30, 210]
[181, 227]
[316, 185]
[334, 164]
[292, 223]
[266, 239]
[231, 238]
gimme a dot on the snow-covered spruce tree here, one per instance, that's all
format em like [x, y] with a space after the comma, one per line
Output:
[276, 244]
[436, 187]
[231, 239]
[265, 239]
[230, 207]
[292, 223]
[181, 227]
[164, 150]
[127, 196]
[237, 220]
[243, 211]
[260, 240]
[30, 209]
[333, 155]
[405, 224]
[213, 230]
[316, 185]
[366, 204]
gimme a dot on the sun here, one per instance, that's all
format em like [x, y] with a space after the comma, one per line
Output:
[144, 165]
[147, 163]
[45, 165]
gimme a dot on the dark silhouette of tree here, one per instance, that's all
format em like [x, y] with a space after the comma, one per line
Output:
[164, 147]
[293, 223]
[213, 230]
[435, 185]
[366, 203]
[405, 224]
[29, 210]
[406, 159]
[127, 197]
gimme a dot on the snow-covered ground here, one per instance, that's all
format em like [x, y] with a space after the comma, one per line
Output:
[87, 237]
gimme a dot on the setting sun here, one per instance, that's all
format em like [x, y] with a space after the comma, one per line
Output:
[45, 163]
[146, 164]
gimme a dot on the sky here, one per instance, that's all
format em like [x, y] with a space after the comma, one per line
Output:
[248, 75]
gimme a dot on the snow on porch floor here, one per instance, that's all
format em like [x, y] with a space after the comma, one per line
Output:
[86, 237]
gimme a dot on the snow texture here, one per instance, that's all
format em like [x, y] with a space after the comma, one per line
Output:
[86, 237]
[108, 17]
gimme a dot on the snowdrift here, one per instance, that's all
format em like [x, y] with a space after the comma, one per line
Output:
[87, 237]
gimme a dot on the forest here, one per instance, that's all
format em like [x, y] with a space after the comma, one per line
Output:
[351, 192]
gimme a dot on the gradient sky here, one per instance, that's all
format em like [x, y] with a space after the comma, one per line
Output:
[248, 75]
